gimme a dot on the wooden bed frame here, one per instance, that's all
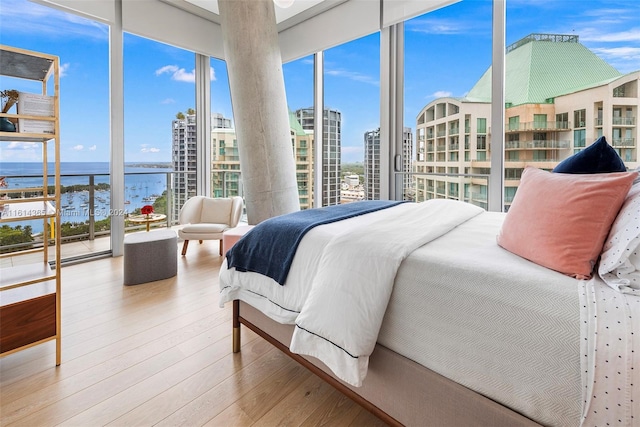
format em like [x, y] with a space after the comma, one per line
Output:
[397, 390]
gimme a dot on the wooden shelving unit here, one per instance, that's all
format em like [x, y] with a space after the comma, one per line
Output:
[30, 292]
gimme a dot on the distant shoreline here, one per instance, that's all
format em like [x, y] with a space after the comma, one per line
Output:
[164, 165]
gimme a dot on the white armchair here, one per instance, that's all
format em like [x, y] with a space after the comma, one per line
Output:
[206, 218]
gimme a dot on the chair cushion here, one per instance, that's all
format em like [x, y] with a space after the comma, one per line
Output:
[216, 210]
[204, 228]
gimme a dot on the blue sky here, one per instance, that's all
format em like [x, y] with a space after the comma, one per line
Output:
[446, 53]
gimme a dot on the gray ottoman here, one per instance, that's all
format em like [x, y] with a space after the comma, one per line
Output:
[150, 256]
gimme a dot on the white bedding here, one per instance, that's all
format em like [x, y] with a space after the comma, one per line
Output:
[466, 308]
[341, 316]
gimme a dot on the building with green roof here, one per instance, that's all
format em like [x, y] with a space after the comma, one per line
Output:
[559, 98]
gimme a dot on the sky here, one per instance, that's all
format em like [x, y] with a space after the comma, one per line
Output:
[446, 52]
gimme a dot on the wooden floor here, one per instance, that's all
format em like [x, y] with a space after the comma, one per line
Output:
[160, 354]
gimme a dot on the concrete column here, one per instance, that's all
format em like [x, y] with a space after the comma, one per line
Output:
[260, 108]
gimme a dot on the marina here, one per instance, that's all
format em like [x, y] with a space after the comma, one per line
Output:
[143, 186]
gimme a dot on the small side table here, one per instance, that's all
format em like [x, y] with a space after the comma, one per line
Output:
[231, 236]
[150, 256]
[148, 219]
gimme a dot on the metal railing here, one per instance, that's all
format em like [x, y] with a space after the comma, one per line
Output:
[624, 121]
[439, 186]
[90, 191]
[544, 144]
[537, 126]
[623, 142]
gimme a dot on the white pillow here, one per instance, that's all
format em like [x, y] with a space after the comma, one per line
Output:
[620, 260]
[216, 211]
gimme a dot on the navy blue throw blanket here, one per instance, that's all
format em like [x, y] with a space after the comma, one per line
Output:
[269, 247]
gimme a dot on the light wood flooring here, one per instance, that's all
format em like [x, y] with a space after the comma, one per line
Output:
[160, 354]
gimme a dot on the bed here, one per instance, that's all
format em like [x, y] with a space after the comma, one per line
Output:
[417, 313]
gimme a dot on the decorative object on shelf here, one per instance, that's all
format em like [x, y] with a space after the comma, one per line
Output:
[9, 98]
[3, 184]
[146, 210]
[6, 125]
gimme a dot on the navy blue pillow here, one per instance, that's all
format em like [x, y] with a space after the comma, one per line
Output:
[599, 157]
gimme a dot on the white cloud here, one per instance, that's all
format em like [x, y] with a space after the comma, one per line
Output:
[354, 75]
[181, 75]
[21, 151]
[438, 26]
[168, 101]
[604, 36]
[144, 149]
[48, 22]
[441, 94]
[619, 52]
[93, 148]
[78, 147]
[63, 69]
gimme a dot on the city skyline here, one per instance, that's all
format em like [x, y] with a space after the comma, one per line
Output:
[159, 78]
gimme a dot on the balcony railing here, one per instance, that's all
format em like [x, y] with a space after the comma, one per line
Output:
[538, 144]
[624, 142]
[537, 126]
[86, 201]
[441, 189]
[624, 121]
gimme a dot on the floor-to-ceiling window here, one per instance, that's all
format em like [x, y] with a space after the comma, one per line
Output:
[83, 49]
[299, 83]
[448, 62]
[160, 126]
[578, 100]
[447, 102]
[226, 180]
[351, 121]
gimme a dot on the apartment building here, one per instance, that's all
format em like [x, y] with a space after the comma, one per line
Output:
[372, 164]
[183, 159]
[331, 150]
[560, 97]
[225, 162]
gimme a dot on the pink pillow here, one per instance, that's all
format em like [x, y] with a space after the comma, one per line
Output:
[561, 221]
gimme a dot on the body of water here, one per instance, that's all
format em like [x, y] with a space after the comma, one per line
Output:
[147, 183]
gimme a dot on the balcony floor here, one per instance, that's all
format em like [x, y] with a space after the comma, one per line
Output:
[160, 353]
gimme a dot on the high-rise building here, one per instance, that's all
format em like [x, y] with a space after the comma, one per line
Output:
[372, 164]
[331, 151]
[218, 121]
[225, 160]
[184, 157]
[560, 97]
[183, 142]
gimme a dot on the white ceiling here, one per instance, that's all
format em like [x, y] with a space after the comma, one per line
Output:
[282, 14]
[298, 11]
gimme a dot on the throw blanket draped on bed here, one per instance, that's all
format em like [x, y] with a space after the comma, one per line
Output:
[271, 245]
[341, 318]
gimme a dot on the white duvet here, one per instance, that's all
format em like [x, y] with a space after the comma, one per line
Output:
[341, 317]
